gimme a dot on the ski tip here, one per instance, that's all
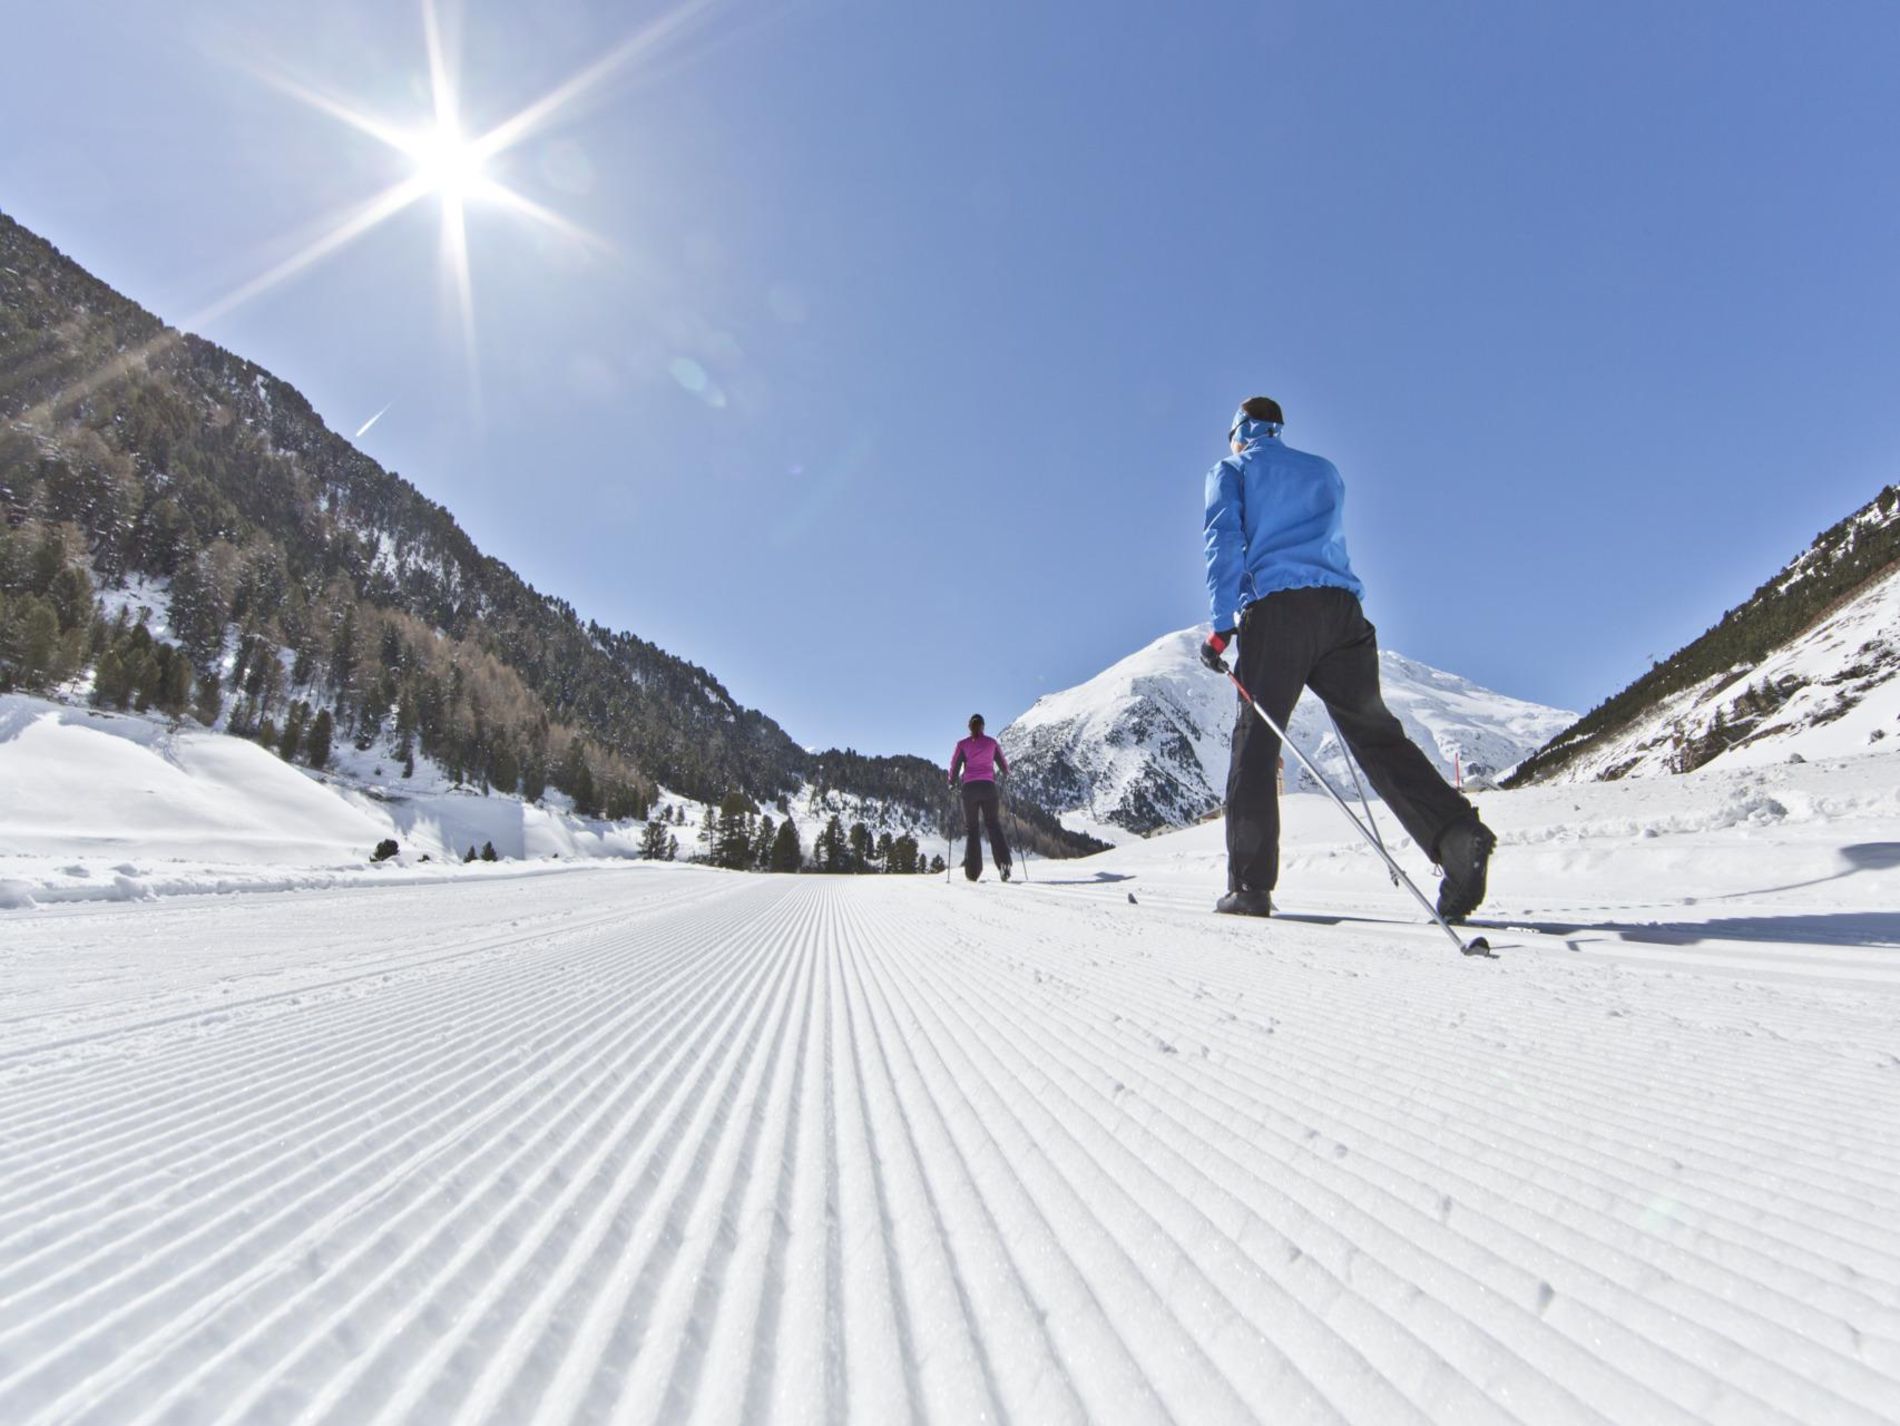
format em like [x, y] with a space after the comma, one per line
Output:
[1479, 947]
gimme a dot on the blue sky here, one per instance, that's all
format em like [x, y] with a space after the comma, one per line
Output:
[889, 392]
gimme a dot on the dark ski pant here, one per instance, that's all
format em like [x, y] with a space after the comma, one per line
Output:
[979, 800]
[1319, 639]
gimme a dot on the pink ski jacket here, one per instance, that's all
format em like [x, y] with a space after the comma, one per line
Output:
[979, 759]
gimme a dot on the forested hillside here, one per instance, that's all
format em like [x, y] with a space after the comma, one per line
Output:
[1706, 698]
[307, 583]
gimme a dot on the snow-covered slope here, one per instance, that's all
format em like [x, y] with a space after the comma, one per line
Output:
[661, 1145]
[1832, 692]
[125, 806]
[1805, 667]
[1143, 744]
[113, 804]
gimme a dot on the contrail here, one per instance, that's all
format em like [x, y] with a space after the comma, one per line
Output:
[370, 422]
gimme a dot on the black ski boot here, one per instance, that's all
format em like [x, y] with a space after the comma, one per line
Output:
[973, 870]
[1464, 851]
[1245, 903]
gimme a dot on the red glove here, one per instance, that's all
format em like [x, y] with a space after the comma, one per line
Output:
[1214, 646]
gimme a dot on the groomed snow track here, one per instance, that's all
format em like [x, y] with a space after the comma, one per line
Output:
[664, 1146]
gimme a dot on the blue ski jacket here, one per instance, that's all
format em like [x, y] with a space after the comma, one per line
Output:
[1275, 520]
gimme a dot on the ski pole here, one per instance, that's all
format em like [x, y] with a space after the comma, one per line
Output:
[1352, 766]
[949, 826]
[1478, 946]
[1016, 825]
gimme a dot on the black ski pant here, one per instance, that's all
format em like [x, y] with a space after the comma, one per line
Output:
[979, 800]
[1319, 639]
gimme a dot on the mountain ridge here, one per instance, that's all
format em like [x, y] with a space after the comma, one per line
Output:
[142, 449]
[1810, 649]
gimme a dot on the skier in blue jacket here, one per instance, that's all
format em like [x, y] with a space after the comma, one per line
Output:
[1278, 576]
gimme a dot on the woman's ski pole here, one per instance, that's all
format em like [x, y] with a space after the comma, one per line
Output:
[1016, 826]
[1478, 946]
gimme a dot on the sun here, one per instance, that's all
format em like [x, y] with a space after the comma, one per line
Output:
[449, 164]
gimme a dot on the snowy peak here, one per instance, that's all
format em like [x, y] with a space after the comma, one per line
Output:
[1143, 745]
[1136, 746]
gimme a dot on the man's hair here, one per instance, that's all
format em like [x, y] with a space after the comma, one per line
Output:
[1262, 408]
[975, 718]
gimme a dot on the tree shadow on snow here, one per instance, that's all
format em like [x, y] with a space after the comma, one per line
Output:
[1101, 878]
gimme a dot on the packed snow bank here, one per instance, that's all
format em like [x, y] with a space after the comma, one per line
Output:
[1806, 851]
[103, 806]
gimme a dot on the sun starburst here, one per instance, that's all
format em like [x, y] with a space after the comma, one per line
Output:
[447, 164]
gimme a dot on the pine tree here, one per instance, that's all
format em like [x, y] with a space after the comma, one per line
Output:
[488, 852]
[902, 857]
[732, 842]
[861, 849]
[653, 840]
[111, 688]
[833, 851]
[762, 843]
[787, 855]
[210, 698]
[317, 743]
[147, 681]
[174, 695]
[41, 639]
[291, 743]
[71, 595]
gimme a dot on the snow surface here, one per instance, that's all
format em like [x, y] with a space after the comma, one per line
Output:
[1144, 743]
[657, 1143]
[124, 806]
[102, 805]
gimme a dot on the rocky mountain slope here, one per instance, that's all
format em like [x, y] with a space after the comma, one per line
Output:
[1806, 667]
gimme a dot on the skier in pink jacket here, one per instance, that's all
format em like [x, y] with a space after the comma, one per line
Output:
[975, 766]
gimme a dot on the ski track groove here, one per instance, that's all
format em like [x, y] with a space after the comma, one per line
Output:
[495, 1333]
[1393, 1127]
[404, 1178]
[450, 1257]
[507, 1010]
[1134, 1169]
[1599, 1326]
[1876, 1391]
[481, 1014]
[1812, 1121]
[684, 1147]
[145, 1088]
[1187, 1367]
[1561, 1088]
[649, 1221]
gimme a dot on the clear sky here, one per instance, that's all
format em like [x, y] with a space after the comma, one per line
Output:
[888, 389]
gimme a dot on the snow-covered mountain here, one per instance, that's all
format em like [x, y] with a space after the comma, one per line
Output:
[1830, 693]
[1806, 667]
[1143, 744]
